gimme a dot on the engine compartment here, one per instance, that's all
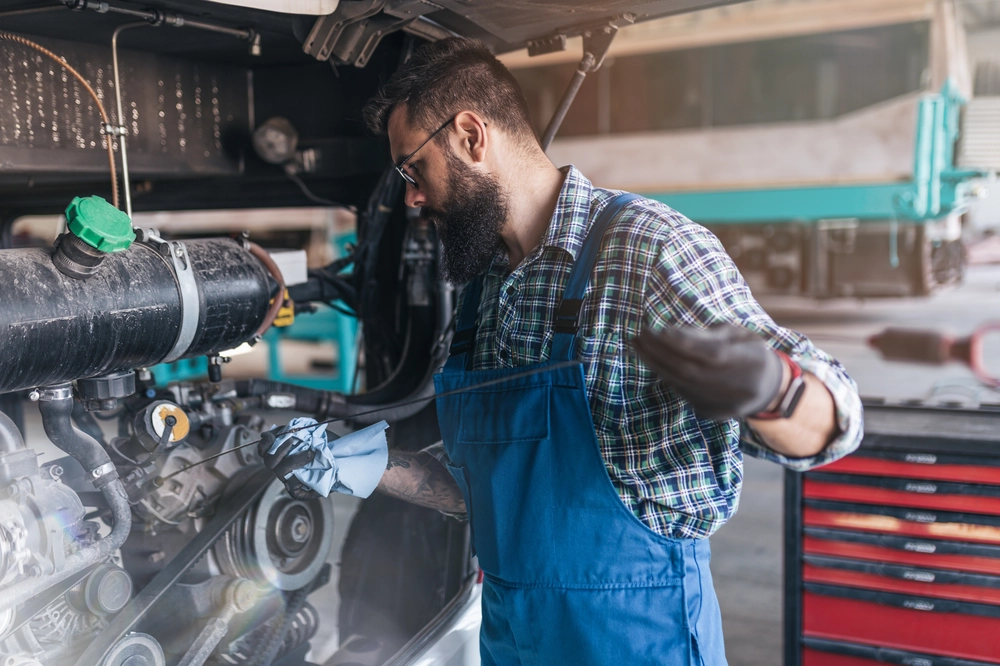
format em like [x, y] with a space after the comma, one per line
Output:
[231, 593]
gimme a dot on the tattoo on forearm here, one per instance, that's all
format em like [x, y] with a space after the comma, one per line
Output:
[397, 460]
[422, 479]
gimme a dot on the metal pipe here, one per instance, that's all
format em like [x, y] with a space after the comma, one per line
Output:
[586, 65]
[10, 436]
[240, 33]
[157, 17]
[31, 10]
[122, 127]
[56, 406]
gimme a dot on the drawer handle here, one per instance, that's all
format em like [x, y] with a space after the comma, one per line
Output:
[920, 517]
[919, 576]
[923, 488]
[918, 604]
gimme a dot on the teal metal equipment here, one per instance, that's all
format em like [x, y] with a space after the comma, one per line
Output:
[184, 370]
[937, 188]
[324, 325]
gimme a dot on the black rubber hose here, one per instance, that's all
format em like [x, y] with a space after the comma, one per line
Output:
[56, 414]
[86, 422]
[329, 404]
[59, 428]
[10, 436]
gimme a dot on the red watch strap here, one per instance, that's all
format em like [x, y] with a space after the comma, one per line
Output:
[791, 395]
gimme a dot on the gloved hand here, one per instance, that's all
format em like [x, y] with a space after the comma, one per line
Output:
[283, 464]
[724, 371]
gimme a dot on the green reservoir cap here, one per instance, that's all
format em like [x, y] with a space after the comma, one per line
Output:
[99, 224]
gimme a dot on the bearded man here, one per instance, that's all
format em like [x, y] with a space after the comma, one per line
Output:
[592, 486]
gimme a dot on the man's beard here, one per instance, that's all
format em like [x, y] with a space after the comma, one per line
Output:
[468, 222]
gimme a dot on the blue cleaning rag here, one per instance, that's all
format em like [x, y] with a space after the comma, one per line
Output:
[352, 465]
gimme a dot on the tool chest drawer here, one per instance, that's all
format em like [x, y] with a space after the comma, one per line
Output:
[892, 554]
[937, 583]
[819, 652]
[890, 549]
[908, 492]
[902, 622]
[934, 467]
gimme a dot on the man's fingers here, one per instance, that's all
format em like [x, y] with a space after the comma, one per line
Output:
[300, 491]
[695, 344]
[670, 367]
[272, 460]
[290, 463]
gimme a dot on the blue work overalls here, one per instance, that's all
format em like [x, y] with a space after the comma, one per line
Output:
[571, 575]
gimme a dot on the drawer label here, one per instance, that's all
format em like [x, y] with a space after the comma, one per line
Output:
[917, 661]
[921, 458]
[922, 576]
[918, 547]
[920, 517]
[919, 604]
[927, 488]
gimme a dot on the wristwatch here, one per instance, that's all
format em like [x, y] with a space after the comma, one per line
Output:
[790, 398]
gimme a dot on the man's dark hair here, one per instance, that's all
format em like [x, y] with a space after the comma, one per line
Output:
[449, 76]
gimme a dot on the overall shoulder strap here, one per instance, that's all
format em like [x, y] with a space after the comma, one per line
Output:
[464, 341]
[567, 321]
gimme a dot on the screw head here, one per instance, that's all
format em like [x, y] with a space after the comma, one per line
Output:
[34, 396]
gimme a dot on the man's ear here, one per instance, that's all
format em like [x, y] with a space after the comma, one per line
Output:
[473, 139]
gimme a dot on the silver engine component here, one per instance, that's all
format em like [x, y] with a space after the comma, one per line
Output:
[40, 522]
[138, 650]
[175, 482]
[281, 541]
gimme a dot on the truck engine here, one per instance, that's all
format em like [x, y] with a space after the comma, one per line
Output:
[101, 304]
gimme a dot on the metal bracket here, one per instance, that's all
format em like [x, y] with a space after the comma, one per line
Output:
[190, 306]
[543, 45]
[327, 30]
[597, 41]
[359, 40]
[597, 38]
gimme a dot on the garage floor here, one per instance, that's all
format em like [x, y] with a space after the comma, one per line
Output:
[746, 552]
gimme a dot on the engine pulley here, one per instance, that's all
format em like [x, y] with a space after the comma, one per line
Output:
[280, 540]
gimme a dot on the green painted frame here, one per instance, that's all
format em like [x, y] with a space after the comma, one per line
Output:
[937, 189]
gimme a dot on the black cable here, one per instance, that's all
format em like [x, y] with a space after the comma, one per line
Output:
[309, 194]
[158, 481]
[342, 310]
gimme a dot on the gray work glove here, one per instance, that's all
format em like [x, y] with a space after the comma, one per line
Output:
[283, 464]
[724, 371]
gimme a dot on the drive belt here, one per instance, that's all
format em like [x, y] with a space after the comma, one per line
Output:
[126, 621]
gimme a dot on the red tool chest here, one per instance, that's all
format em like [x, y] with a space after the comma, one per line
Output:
[892, 555]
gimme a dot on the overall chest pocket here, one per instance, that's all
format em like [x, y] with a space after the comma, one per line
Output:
[517, 414]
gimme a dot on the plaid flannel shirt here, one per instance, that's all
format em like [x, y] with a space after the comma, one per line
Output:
[679, 475]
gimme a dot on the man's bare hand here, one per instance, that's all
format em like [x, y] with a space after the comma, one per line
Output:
[420, 478]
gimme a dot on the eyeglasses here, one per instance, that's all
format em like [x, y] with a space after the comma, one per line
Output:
[401, 163]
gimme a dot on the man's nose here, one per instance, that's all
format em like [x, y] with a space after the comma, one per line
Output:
[414, 198]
